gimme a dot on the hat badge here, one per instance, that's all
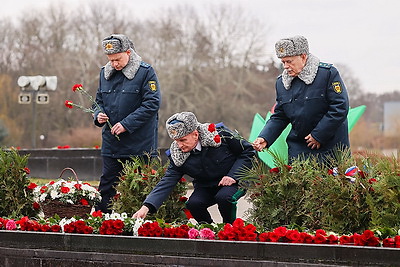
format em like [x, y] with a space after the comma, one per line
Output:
[109, 46]
[173, 132]
[281, 50]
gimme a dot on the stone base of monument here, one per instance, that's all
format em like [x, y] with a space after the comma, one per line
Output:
[19, 248]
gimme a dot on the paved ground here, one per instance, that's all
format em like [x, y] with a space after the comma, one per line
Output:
[243, 205]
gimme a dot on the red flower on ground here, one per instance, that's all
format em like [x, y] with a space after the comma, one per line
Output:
[345, 240]
[280, 231]
[397, 241]
[321, 232]
[319, 239]
[293, 236]
[332, 239]
[150, 229]
[55, 228]
[389, 243]
[306, 238]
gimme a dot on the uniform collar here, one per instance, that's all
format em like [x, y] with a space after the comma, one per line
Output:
[129, 70]
[307, 74]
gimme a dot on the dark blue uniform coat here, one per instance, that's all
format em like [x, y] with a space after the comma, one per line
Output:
[135, 104]
[319, 108]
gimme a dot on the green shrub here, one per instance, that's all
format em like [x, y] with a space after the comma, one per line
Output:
[138, 178]
[312, 195]
[16, 198]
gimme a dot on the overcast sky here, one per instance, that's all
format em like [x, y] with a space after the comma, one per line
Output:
[364, 35]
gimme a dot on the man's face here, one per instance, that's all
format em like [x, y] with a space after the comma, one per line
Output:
[188, 142]
[294, 64]
[119, 60]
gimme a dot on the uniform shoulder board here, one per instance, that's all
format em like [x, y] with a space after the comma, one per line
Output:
[144, 64]
[325, 65]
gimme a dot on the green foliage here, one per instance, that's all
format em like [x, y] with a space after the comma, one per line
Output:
[313, 195]
[3, 132]
[383, 175]
[16, 198]
[138, 178]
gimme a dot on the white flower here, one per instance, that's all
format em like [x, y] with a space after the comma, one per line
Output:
[115, 216]
[139, 222]
[65, 221]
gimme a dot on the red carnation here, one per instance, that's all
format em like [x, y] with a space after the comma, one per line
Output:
[183, 199]
[77, 87]
[217, 139]
[319, 239]
[211, 127]
[32, 186]
[55, 228]
[35, 206]
[97, 213]
[344, 240]
[84, 202]
[43, 189]
[78, 186]
[68, 104]
[274, 170]
[27, 170]
[64, 189]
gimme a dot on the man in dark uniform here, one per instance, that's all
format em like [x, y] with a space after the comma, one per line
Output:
[312, 97]
[213, 156]
[129, 98]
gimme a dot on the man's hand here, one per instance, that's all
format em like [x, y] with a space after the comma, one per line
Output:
[102, 117]
[311, 142]
[226, 181]
[141, 213]
[259, 144]
[118, 129]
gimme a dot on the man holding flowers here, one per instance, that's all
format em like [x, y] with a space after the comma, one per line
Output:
[129, 99]
[213, 156]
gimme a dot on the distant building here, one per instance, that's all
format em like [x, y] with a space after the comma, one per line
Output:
[391, 118]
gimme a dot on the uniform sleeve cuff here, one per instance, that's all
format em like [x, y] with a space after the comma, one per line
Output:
[151, 208]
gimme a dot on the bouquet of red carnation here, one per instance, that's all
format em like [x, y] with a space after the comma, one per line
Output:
[70, 104]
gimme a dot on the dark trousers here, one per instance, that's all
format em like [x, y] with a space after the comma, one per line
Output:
[204, 197]
[109, 179]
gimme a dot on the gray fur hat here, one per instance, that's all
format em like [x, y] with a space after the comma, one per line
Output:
[292, 46]
[116, 43]
[181, 124]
